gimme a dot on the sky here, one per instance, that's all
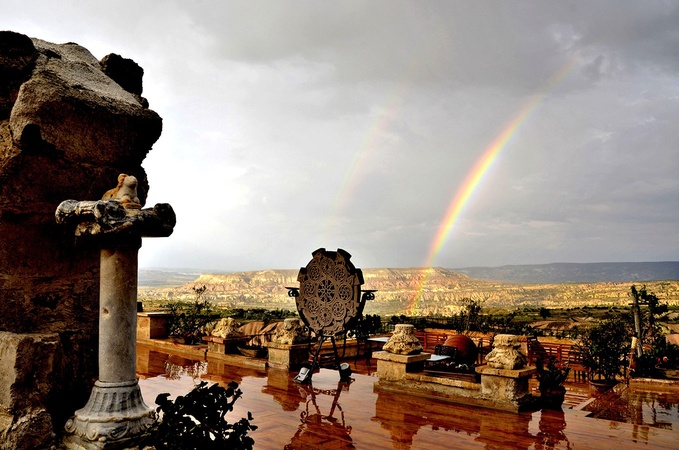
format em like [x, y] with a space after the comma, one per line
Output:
[408, 133]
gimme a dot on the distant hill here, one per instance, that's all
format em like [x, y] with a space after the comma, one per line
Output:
[166, 277]
[577, 272]
[519, 274]
[426, 291]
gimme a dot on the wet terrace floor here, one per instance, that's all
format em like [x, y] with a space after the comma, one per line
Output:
[331, 415]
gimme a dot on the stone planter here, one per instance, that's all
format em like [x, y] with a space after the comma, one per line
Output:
[224, 346]
[599, 387]
[553, 398]
[252, 352]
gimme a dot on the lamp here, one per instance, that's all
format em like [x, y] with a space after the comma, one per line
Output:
[304, 376]
[345, 373]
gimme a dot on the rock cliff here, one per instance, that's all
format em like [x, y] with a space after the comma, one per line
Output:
[67, 129]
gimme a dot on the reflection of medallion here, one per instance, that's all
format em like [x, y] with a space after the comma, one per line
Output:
[318, 430]
[330, 297]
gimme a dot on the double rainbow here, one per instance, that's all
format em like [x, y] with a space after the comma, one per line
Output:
[478, 173]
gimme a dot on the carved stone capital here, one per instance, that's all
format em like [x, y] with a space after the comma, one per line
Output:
[293, 332]
[403, 341]
[109, 218]
[505, 353]
[227, 328]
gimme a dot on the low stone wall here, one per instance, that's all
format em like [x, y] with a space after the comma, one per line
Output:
[499, 394]
[152, 325]
[503, 381]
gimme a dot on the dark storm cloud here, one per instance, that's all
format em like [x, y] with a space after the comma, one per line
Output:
[306, 124]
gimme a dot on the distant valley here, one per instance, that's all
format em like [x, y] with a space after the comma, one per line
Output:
[577, 272]
[429, 291]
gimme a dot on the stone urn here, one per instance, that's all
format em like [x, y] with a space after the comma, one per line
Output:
[403, 341]
[467, 351]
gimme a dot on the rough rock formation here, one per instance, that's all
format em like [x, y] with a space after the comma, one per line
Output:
[67, 128]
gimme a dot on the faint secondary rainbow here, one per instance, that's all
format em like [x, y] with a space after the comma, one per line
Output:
[478, 173]
[361, 161]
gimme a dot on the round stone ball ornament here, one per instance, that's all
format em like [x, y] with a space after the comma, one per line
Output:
[330, 292]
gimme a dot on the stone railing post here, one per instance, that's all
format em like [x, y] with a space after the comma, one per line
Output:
[115, 415]
[505, 378]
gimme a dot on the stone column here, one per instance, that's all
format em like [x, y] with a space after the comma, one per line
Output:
[118, 312]
[115, 415]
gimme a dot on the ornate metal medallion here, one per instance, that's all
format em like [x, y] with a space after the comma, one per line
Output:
[330, 292]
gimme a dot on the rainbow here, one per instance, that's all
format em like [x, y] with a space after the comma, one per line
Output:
[478, 173]
[361, 161]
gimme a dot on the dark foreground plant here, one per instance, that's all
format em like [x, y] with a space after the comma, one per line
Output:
[197, 420]
[551, 373]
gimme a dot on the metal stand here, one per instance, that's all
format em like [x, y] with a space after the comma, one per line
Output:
[328, 301]
[306, 373]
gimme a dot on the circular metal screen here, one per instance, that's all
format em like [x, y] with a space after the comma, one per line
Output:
[330, 292]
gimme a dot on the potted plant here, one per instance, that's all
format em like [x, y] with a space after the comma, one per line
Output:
[666, 358]
[551, 375]
[604, 350]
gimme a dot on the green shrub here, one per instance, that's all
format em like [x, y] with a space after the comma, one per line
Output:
[605, 348]
[187, 319]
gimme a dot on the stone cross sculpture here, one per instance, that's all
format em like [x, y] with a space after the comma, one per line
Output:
[115, 413]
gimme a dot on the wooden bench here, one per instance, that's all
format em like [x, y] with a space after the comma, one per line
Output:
[429, 340]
